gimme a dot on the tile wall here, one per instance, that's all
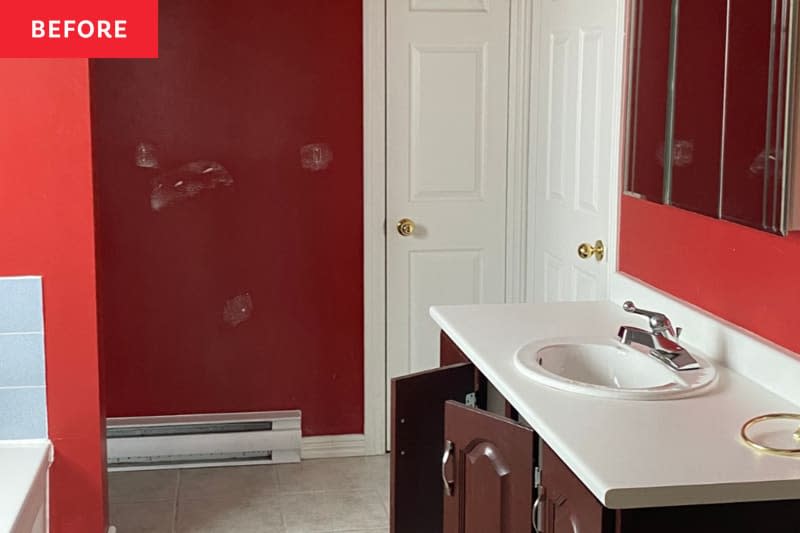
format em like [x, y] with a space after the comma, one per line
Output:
[23, 408]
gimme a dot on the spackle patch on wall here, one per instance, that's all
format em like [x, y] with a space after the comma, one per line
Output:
[238, 309]
[146, 155]
[316, 157]
[187, 181]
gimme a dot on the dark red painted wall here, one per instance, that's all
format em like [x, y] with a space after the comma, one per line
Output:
[47, 219]
[746, 276]
[649, 98]
[245, 84]
[699, 83]
[748, 76]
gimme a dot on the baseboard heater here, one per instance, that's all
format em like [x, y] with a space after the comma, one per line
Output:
[192, 441]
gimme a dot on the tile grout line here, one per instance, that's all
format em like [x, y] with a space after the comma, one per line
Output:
[175, 501]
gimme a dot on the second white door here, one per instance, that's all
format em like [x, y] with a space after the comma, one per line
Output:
[575, 146]
[447, 87]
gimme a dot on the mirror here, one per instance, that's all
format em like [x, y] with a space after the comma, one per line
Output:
[709, 122]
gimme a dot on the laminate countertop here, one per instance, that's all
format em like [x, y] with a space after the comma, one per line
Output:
[630, 454]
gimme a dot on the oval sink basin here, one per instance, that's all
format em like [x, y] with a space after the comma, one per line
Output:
[609, 368]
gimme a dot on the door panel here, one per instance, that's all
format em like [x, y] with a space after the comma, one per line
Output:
[492, 473]
[454, 169]
[417, 435]
[573, 153]
[434, 277]
[569, 506]
[447, 97]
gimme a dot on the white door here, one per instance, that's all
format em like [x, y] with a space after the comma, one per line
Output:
[447, 96]
[575, 155]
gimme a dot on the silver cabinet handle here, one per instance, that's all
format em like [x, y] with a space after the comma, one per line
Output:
[537, 526]
[448, 485]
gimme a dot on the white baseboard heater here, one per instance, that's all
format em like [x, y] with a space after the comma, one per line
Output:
[193, 441]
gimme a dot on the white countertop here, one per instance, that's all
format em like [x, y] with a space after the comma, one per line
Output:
[629, 453]
[23, 465]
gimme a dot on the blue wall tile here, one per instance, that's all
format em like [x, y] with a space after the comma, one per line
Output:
[23, 413]
[23, 406]
[21, 305]
[22, 360]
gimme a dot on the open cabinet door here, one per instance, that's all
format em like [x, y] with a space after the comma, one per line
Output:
[487, 472]
[417, 436]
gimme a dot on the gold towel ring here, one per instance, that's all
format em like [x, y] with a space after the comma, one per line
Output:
[791, 452]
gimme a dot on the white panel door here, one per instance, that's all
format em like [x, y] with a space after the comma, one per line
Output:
[574, 152]
[447, 97]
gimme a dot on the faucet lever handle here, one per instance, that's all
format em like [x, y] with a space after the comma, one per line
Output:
[658, 321]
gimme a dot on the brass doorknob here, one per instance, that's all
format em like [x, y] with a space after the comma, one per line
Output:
[405, 227]
[586, 250]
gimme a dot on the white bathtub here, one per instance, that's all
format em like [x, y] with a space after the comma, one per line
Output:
[23, 486]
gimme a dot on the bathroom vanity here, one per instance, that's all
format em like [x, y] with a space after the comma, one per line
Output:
[561, 461]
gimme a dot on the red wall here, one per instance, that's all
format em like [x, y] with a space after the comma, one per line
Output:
[746, 276]
[47, 220]
[246, 87]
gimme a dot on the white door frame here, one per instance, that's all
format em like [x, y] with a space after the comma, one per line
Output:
[374, 65]
[519, 94]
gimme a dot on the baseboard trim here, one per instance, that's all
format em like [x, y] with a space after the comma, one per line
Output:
[324, 446]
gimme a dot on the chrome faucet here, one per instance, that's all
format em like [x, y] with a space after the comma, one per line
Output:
[663, 339]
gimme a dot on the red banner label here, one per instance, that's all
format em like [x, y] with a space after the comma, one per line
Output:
[79, 28]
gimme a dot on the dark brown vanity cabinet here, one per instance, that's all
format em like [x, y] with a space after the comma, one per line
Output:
[487, 472]
[565, 504]
[456, 468]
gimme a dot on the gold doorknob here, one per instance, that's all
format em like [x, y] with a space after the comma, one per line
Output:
[586, 250]
[405, 227]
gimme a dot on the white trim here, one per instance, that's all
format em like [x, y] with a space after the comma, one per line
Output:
[519, 81]
[773, 367]
[334, 446]
[617, 166]
[374, 13]
[533, 150]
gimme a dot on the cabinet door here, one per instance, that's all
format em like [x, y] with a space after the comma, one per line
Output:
[487, 472]
[417, 436]
[569, 507]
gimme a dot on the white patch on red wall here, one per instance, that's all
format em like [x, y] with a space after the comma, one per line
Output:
[316, 157]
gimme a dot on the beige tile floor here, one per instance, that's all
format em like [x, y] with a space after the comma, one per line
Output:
[342, 495]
